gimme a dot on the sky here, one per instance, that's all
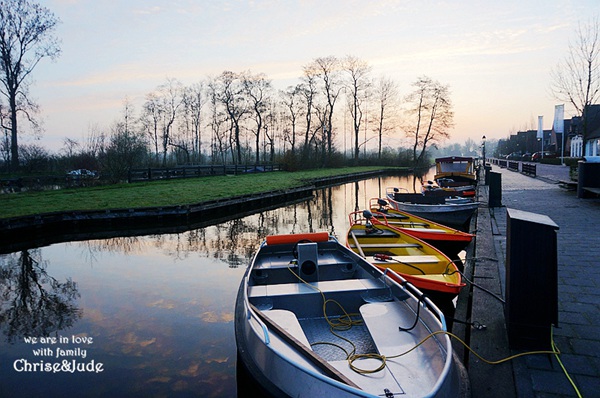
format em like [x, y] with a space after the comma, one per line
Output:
[495, 56]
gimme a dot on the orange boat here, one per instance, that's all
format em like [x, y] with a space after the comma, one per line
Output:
[415, 260]
[449, 240]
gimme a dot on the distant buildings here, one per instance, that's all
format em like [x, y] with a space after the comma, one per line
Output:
[575, 133]
[568, 136]
[525, 142]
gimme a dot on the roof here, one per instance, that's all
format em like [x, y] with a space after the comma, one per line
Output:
[593, 119]
[454, 159]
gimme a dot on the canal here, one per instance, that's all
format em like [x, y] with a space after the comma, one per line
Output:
[145, 316]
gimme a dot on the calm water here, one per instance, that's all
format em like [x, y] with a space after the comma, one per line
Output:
[146, 316]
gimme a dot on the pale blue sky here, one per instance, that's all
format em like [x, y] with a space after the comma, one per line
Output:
[496, 56]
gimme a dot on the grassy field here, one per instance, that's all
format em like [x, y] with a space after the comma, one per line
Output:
[159, 193]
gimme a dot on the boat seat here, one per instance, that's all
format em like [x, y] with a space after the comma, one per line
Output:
[407, 223]
[421, 366]
[424, 259]
[385, 245]
[288, 321]
[285, 289]
[382, 233]
[418, 198]
[432, 230]
[379, 316]
[393, 216]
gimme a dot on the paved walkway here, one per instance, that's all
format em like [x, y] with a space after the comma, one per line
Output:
[578, 332]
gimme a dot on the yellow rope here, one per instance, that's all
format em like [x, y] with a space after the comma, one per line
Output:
[555, 348]
[345, 322]
[473, 351]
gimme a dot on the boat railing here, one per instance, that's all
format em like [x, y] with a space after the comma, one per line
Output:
[423, 299]
[250, 314]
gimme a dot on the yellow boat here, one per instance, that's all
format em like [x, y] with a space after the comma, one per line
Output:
[415, 260]
[449, 240]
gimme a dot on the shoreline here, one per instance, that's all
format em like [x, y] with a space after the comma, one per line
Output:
[45, 228]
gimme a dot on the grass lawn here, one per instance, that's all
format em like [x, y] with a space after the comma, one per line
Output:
[159, 193]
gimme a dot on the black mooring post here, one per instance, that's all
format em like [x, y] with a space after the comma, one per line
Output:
[495, 195]
[531, 279]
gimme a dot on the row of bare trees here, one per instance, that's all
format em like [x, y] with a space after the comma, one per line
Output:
[242, 118]
[239, 117]
[235, 117]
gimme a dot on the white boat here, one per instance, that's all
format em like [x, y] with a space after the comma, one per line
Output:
[314, 319]
[455, 212]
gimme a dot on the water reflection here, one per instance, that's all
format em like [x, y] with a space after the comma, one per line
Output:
[158, 307]
[33, 302]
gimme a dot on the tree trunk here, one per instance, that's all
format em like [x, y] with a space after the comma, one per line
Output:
[14, 145]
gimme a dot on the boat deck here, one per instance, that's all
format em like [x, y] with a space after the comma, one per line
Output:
[375, 332]
[401, 375]
[307, 314]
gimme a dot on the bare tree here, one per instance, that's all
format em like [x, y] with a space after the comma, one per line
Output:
[124, 150]
[217, 120]
[26, 37]
[292, 101]
[5, 143]
[34, 157]
[309, 92]
[576, 79]
[257, 89]
[193, 102]
[321, 112]
[358, 74]
[150, 120]
[270, 128]
[430, 116]
[170, 97]
[95, 141]
[231, 95]
[70, 146]
[328, 69]
[386, 93]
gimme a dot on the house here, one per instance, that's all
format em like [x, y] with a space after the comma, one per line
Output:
[575, 133]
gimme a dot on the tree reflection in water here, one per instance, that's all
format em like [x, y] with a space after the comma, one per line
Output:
[34, 303]
[159, 304]
[235, 241]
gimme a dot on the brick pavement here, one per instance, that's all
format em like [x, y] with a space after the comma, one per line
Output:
[578, 332]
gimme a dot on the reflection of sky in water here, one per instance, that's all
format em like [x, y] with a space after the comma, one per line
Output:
[160, 308]
[158, 324]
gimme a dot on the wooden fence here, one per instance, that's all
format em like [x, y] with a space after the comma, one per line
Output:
[150, 174]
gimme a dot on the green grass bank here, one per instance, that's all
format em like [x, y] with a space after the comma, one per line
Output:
[161, 193]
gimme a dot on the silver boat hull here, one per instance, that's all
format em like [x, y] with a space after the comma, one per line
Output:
[283, 369]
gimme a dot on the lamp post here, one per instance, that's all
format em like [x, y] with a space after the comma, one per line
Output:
[483, 149]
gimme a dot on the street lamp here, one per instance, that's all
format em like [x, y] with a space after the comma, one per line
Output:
[483, 149]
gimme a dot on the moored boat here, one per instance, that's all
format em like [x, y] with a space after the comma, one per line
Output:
[418, 262]
[455, 170]
[451, 212]
[447, 187]
[314, 319]
[448, 240]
